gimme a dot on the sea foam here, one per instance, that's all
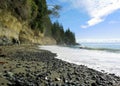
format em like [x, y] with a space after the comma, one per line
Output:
[98, 60]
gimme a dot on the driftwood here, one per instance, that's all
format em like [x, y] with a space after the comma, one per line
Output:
[3, 62]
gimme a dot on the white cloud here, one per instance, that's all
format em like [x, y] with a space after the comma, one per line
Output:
[98, 10]
[93, 21]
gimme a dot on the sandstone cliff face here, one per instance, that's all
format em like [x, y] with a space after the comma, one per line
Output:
[14, 29]
[27, 36]
[9, 28]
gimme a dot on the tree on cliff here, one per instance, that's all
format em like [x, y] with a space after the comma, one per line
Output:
[54, 10]
[39, 21]
[61, 36]
[42, 21]
[69, 37]
[58, 32]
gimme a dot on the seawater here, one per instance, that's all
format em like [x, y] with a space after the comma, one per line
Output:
[103, 45]
[112, 47]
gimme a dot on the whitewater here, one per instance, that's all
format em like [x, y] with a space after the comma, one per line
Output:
[108, 62]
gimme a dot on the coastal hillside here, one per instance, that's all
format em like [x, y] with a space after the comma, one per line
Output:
[25, 22]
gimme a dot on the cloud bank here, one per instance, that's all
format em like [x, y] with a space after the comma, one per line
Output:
[98, 10]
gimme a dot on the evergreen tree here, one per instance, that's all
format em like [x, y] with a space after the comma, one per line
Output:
[42, 21]
[56, 32]
[69, 37]
[61, 36]
[54, 10]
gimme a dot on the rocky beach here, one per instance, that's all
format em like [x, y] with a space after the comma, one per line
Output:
[27, 65]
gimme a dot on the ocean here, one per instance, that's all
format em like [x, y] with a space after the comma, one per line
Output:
[99, 56]
[110, 47]
[114, 46]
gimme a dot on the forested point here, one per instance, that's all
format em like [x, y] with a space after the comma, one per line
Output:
[61, 36]
[41, 20]
[58, 33]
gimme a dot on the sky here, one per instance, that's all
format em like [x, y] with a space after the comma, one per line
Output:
[90, 19]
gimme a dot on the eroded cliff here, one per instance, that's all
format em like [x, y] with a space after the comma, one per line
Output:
[15, 23]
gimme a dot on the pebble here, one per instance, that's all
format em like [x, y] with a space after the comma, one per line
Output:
[57, 79]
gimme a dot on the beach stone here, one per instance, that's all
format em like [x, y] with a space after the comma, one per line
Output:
[78, 78]
[10, 74]
[18, 65]
[5, 41]
[57, 79]
[10, 84]
[98, 82]
[94, 84]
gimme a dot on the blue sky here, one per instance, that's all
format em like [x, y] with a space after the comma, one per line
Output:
[90, 19]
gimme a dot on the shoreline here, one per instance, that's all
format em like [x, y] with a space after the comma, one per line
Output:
[27, 65]
[97, 60]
